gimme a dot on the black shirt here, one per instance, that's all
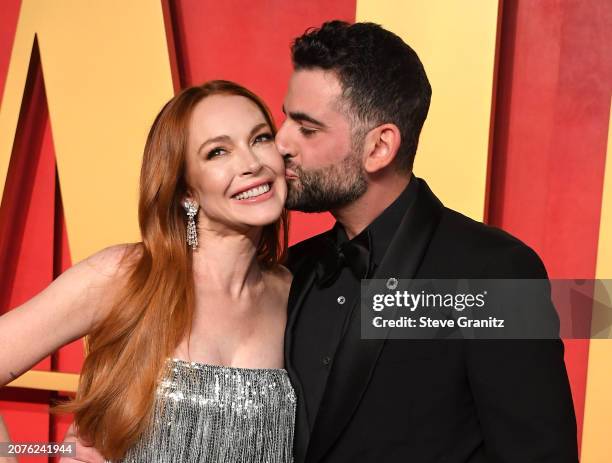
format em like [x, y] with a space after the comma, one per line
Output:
[325, 312]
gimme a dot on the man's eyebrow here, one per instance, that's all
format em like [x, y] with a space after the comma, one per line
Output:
[303, 117]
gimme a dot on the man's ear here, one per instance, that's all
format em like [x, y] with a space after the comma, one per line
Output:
[380, 147]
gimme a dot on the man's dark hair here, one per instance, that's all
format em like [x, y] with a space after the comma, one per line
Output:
[382, 78]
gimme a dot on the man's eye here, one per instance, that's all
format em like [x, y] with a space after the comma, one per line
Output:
[307, 132]
[263, 137]
[215, 152]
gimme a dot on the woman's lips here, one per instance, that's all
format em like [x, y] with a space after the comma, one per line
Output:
[257, 199]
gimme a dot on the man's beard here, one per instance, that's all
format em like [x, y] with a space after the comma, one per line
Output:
[328, 188]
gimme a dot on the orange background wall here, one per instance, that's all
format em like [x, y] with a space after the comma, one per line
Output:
[544, 159]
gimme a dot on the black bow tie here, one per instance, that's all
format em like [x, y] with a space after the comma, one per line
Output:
[354, 254]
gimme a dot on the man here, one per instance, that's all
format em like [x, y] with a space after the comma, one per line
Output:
[355, 107]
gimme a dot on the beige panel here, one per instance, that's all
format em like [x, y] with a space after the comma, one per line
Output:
[47, 380]
[107, 73]
[456, 42]
[596, 442]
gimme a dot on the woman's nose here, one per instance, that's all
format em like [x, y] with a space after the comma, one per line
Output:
[251, 164]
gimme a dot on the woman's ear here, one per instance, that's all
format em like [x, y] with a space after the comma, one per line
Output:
[190, 197]
[380, 147]
[189, 203]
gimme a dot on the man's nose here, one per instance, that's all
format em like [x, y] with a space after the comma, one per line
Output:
[282, 141]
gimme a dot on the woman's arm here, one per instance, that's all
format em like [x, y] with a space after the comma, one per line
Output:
[64, 311]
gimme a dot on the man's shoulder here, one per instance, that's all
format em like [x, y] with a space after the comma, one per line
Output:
[456, 234]
[471, 233]
[484, 249]
[459, 246]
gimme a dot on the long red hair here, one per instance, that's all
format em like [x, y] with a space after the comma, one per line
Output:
[153, 311]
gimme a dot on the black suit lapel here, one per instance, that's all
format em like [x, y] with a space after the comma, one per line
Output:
[356, 358]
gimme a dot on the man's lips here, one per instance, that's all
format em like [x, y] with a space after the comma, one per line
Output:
[290, 174]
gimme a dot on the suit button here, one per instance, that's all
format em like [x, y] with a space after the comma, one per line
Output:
[326, 361]
[341, 300]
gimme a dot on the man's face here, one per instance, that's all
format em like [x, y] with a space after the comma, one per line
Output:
[323, 162]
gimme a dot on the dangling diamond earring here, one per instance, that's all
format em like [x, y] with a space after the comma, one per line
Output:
[191, 208]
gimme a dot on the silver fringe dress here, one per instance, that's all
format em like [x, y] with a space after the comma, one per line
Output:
[208, 413]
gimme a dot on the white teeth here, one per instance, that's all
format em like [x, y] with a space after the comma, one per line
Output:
[253, 192]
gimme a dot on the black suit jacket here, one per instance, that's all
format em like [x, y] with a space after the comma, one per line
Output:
[453, 401]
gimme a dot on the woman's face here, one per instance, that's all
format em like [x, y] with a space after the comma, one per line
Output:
[233, 168]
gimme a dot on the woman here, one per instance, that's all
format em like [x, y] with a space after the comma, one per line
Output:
[186, 327]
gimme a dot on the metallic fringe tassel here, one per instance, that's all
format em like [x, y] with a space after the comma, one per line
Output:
[192, 233]
[207, 413]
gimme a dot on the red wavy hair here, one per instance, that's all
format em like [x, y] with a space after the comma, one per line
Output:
[153, 311]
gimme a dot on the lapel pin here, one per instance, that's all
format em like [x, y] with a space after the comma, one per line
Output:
[392, 283]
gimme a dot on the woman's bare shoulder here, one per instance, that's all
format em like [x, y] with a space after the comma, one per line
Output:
[67, 309]
[281, 279]
[94, 282]
[283, 275]
[112, 261]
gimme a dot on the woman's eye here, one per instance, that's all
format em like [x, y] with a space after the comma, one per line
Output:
[215, 152]
[306, 131]
[264, 137]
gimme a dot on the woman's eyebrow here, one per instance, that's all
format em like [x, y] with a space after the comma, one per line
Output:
[226, 138]
[219, 138]
[257, 128]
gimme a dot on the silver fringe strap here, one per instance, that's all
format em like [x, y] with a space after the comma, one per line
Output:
[207, 413]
